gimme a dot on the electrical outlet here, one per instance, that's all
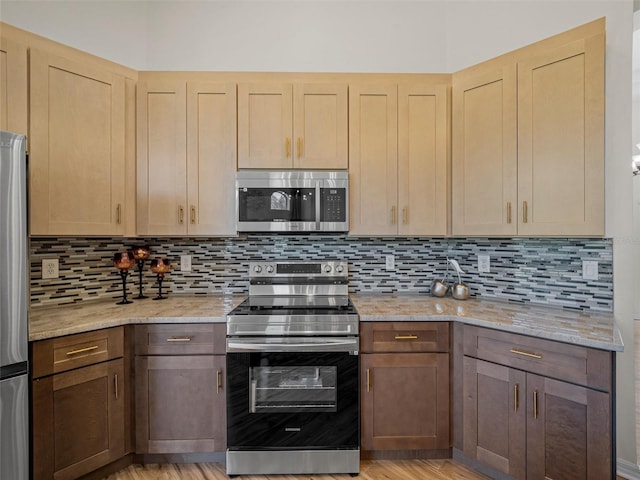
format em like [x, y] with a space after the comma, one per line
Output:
[50, 268]
[390, 262]
[185, 263]
[484, 264]
[590, 270]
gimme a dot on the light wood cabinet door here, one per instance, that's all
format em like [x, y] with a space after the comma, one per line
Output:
[180, 404]
[161, 158]
[211, 158]
[13, 87]
[484, 153]
[423, 159]
[494, 416]
[320, 126]
[77, 158]
[78, 419]
[265, 125]
[561, 140]
[405, 401]
[568, 431]
[373, 159]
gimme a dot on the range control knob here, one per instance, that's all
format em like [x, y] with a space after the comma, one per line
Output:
[340, 268]
[270, 268]
[257, 268]
[327, 268]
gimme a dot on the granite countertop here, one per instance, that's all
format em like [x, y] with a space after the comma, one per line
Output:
[597, 330]
[49, 322]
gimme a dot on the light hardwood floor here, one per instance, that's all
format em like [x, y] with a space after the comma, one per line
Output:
[369, 470]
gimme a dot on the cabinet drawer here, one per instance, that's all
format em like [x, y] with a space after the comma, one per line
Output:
[180, 339]
[379, 337]
[66, 353]
[580, 365]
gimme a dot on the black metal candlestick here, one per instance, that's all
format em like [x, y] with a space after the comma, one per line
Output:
[160, 266]
[123, 262]
[140, 265]
[160, 278]
[140, 254]
[123, 275]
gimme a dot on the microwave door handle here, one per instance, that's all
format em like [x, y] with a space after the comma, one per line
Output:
[318, 204]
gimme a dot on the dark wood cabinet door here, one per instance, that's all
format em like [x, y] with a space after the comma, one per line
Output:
[180, 404]
[494, 415]
[568, 431]
[405, 401]
[78, 420]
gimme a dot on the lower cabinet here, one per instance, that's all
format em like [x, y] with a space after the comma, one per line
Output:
[405, 390]
[529, 425]
[180, 397]
[78, 401]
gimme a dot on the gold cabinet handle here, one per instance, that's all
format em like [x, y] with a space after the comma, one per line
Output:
[193, 215]
[287, 144]
[179, 339]
[299, 147]
[180, 214]
[508, 212]
[119, 214]
[393, 215]
[83, 350]
[405, 215]
[526, 354]
[516, 397]
[115, 384]
[535, 404]
[406, 337]
[525, 213]
[368, 380]
[219, 381]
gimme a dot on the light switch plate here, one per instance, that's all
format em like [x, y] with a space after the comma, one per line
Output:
[390, 262]
[589, 270]
[185, 263]
[484, 263]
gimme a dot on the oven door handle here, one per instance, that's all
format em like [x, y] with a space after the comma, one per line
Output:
[350, 345]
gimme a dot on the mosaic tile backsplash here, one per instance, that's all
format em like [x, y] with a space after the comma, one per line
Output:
[536, 270]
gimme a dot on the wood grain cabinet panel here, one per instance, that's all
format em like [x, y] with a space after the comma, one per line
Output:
[398, 159]
[528, 143]
[79, 422]
[13, 87]
[77, 148]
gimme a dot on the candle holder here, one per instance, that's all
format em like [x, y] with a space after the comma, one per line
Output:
[140, 254]
[160, 266]
[123, 262]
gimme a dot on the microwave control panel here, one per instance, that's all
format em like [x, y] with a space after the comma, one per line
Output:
[333, 204]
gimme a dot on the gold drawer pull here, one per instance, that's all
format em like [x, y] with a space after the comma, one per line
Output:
[508, 212]
[219, 381]
[115, 383]
[193, 215]
[287, 146]
[406, 337]
[82, 350]
[525, 212]
[535, 404]
[368, 380]
[299, 147]
[119, 214]
[179, 339]
[526, 354]
[393, 215]
[516, 397]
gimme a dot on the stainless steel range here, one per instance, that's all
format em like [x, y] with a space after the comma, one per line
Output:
[292, 372]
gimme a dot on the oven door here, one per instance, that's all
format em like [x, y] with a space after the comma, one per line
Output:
[291, 398]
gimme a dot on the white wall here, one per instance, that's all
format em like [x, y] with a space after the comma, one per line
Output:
[373, 36]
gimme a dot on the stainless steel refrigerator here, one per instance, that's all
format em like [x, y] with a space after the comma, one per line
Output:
[14, 287]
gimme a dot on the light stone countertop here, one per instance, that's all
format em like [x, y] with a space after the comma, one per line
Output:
[594, 329]
[49, 322]
[597, 330]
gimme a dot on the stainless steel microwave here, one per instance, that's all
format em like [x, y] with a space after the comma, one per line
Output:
[292, 201]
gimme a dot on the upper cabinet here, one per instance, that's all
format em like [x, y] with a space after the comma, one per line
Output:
[284, 125]
[13, 86]
[528, 143]
[77, 147]
[399, 159]
[186, 158]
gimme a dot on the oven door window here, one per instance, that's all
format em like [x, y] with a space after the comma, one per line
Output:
[276, 204]
[293, 389]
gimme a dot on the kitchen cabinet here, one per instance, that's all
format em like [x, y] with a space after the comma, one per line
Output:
[405, 388]
[528, 143]
[399, 159]
[13, 86]
[536, 409]
[77, 147]
[186, 158]
[79, 400]
[180, 395]
[284, 125]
